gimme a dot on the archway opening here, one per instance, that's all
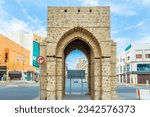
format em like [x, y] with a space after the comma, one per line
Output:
[76, 64]
[77, 59]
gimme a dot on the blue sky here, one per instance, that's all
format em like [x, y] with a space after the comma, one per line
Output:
[72, 58]
[130, 19]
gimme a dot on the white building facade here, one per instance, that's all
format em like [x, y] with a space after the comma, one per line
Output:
[133, 65]
[83, 65]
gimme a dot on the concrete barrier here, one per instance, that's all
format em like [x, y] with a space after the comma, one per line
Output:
[143, 94]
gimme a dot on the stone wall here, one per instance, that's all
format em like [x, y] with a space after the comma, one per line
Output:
[91, 25]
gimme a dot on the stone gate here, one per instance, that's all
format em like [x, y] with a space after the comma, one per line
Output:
[86, 29]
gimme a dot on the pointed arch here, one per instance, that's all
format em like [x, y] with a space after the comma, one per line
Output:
[82, 39]
[82, 34]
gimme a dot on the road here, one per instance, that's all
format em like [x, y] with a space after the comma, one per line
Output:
[31, 91]
[128, 92]
[19, 92]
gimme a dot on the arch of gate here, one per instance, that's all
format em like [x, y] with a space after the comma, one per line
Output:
[86, 29]
[79, 38]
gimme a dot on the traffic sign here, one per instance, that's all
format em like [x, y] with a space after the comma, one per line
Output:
[40, 60]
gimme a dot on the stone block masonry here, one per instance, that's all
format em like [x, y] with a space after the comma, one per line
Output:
[86, 29]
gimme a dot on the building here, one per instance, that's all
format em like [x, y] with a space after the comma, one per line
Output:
[133, 65]
[86, 29]
[14, 60]
[83, 65]
[30, 41]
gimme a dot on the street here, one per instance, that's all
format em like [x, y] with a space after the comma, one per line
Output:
[31, 91]
[19, 91]
[128, 92]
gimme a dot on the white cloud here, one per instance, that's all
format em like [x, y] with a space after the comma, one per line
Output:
[3, 12]
[145, 2]
[128, 28]
[19, 25]
[14, 24]
[114, 32]
[143, 26]
[89, 2]
[122, 43]
[34, 21]
[122, 9]
[139, 2]
[143, 39]
[140, 24]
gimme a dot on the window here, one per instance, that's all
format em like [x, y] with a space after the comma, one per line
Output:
[138, 56]
[121, 60]
[147, 55]
[90, 10]
[128, 68]
[128, 57]
[6, 56]
[124, 68]
[78, 10]
[143, 67]
[65, 10]
[120, 69]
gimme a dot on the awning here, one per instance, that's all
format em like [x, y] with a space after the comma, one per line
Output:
[3, 68]
[15, 73]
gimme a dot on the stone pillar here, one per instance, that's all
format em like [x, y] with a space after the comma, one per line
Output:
[97, 79]
[43, 77]
[43, 87]
[106, 79]
[89, 78]
[113, 71]
[51, 70]
[51, 77]
[59, 79]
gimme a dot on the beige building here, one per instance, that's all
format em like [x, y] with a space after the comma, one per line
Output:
[88, 30]
[83, 65]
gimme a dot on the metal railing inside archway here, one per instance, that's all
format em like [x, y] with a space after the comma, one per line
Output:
[76, 82]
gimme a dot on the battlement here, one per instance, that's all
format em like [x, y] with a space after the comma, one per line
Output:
[79, 16]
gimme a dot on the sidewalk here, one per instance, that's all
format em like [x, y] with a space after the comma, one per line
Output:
[133, 85]
[17, 82]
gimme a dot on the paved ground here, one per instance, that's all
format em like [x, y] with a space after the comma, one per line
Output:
[128, 92]
[77, 97]
[19, 91]
[30, 90]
